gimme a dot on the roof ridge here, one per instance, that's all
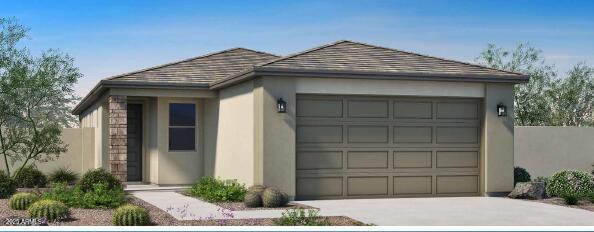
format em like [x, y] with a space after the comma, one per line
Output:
[434, 57]
[185, 60]
[299, 53]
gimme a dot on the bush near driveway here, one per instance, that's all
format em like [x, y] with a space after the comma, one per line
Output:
[298, 217]
[214, 190]
[570, 182]
[99, 197]
[521, 175]
[7, 186]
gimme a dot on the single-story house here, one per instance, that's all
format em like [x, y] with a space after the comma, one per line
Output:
[343, 120]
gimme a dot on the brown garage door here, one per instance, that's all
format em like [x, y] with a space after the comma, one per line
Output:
[364, 147]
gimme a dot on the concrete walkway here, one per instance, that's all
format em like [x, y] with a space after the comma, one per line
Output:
[188, 208]
[455, 211]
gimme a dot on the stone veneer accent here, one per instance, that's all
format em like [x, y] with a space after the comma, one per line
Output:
[118, 137]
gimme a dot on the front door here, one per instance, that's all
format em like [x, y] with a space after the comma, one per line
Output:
[134, 142]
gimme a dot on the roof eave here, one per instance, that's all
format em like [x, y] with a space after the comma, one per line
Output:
[104, 85]
[266, 71]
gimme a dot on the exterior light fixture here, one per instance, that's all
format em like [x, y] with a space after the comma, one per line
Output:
[501, 110]
[281, 105]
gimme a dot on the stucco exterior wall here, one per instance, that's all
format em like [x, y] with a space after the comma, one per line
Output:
[97, 117]
[546, 150]
[235, 138]
[498, 139]
[80, 154]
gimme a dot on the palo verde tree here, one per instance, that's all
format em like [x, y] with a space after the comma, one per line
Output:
[36, 96]
[546, 100]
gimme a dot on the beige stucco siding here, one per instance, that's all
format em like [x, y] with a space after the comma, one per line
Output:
[498, 139]
[97, 117]
[235, 138]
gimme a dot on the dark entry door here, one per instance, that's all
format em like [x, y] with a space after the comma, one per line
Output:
[134, 142]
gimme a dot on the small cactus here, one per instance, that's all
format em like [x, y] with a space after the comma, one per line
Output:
[252, 200]
[257, 189]
[48, 209]
[272, 198]
[22, 201]
[285, 198]
[131, 215]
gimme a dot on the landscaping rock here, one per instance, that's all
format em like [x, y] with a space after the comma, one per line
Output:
[529, 190]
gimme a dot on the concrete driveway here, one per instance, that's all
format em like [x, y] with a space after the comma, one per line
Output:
[455, 211]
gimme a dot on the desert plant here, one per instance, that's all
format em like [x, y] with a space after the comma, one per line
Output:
[63, 175]
[98, 176]
[213, 190]
[7, 185]
[131, 215]
[257, 189]
[49, 209]
[252, 199]
[521, 175]
[570, 182]
[570, 198]
[591, 197]
[30, 177]
[272, 197]
[298, 217]
[22, 201]
[100, 197]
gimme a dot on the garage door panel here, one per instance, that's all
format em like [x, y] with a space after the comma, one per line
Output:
[406, 185]
[365, 186]
[413, 110]
[457, 159]
[319, 134]
[457, 184]
[368, 108]
[452, 134]
[369, 147]
[413, 159]
[413, 134]
[458, 110]
[319, 186]
[312, 160]
[330, 108]
[367, 134]
[367, 159]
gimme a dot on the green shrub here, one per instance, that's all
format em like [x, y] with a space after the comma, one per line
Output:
[63, 175]
[591, 197]
[272, 198]
[48, 209]
[252, 200]
[521, 175]
[571, 198]
[570, 182]
[98, 176]
[131, 215]
[99, 197]
[7, 186]
[214, 190]
[22, 201]
[298, 217]
[30, 177]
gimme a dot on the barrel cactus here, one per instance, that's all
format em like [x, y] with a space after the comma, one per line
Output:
[22, 201]
[49, 209]
[252, 200]
[285, 198]
[131, 215]
[257, 189]
[272, 197]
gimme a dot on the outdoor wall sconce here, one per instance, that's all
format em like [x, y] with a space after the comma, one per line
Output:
[281, 105]
[501, 110]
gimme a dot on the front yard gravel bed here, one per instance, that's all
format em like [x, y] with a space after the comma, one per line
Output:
[582, 204]
[102, 217]
[239, 206]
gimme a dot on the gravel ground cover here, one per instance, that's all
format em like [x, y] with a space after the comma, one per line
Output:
[582, 204]
[239, 206]
[102, 217]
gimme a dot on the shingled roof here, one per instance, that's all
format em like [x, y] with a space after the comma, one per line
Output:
[199, 70]
[353, 59]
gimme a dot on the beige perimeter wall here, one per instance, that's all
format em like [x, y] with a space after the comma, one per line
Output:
[79, 157]
[546, 150]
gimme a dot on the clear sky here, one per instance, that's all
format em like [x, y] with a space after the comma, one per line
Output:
[112, 37]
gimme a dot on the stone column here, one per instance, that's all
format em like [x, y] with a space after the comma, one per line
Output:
[118, 140]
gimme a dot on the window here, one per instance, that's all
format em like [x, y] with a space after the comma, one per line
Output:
[182, 127]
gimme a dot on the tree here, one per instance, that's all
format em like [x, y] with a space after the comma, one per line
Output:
[546, 100]
[37, 94]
